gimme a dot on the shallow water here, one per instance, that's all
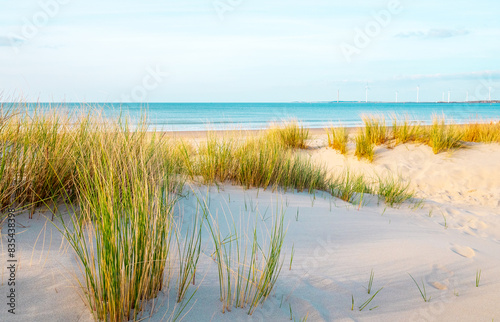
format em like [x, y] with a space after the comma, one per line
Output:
[218, 116]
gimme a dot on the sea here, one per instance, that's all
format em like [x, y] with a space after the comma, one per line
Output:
[248, 116]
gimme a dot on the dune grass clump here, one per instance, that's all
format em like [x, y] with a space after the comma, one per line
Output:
[189, 254]
[481, 132]
[442, 137]
[217, 161]
[375, 130]
[247, 273]
[347, 186]
[36, 153]
[364, 147]
[393, 190]
[290, 135]
[338, 139]
[259, 162]
[121, 236]
[263, 163]
[300, 173]
[406, 131]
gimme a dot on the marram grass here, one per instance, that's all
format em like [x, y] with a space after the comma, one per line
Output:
[122, 235]
[393, 190]
[247, 272]
[348, 186]
[443, 137]
[364, 147]
[123, 184]
[36, 158]
[259, 162]
[405, 130]
[375, 129]
[289, 135]
[338, 138]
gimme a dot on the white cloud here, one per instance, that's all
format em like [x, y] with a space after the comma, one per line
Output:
[6, 41]
[433, 33]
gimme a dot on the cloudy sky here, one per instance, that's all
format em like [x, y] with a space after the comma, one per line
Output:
[249, 50]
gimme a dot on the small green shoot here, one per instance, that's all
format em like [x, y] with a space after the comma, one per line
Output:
[365, 304]
[370, 282]
[478, 277]
[421, 290]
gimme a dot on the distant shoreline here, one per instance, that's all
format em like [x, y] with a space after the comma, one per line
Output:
[284, 102]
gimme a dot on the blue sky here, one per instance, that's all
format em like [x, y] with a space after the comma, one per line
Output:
[249, 50]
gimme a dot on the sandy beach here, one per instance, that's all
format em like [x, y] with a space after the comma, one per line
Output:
[231, 160]
[443, 242]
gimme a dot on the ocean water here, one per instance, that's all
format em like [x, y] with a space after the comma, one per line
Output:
[220, 116]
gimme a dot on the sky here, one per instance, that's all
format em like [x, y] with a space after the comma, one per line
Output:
[249, 50]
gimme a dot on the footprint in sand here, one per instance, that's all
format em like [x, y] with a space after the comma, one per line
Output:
[463, 251]
[321, 283]
[312, 309]
[440, 277]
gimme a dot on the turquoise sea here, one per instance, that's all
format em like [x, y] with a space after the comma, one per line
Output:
[218, 116]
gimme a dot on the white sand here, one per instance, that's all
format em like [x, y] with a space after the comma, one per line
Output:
[336, 246]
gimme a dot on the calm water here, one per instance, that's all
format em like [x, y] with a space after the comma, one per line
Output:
[202, 116]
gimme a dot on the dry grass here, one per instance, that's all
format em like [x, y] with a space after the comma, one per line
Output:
[405, 131]
[289, 135]
[36, 163]
[263, 161]
[375, 130]
[364, 147]
[442, 137]
[338, 137]
[125, 192]
[485, 132]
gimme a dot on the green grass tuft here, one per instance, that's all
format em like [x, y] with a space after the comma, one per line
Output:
[289, 135]
[338, 138]
[247, 274]
[406, 130]
[347, 186]
[478, 277]
[393, 190]
[422, 291]
[364, 147]
[375, 130]
[443, 137]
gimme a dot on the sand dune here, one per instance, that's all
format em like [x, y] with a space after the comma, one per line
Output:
[442, 244]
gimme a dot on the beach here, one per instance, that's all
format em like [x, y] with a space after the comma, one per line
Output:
[440, 241]
[232, 160]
